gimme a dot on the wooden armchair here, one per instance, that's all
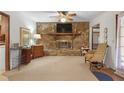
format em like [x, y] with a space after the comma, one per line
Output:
[96, 56]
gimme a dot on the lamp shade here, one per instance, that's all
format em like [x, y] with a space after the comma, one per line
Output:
[37, 36]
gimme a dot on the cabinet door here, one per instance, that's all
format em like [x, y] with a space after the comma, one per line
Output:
[26, 55]
[37, 51]
[2, 58]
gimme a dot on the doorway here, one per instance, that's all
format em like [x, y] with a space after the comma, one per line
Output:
[95, 36]
[4, 41]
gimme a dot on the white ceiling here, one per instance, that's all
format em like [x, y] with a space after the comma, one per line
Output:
[49, 16]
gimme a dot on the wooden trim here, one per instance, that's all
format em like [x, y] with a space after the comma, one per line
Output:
[65, 22]
[7, 46]
[60, 34]
[22, 31]
[116, 16]
[92, 37]
[7, 41]
[96, 32]
[4, 14]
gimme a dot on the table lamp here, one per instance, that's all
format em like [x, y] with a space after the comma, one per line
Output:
[37, 37]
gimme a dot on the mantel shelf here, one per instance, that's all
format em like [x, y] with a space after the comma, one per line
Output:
[61, 34]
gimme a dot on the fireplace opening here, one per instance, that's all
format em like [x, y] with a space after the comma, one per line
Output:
[63, 44]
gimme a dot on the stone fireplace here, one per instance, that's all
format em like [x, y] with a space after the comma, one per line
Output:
[64, 44]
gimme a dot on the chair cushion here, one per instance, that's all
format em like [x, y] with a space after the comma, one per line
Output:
[89, 56]
[98, 55]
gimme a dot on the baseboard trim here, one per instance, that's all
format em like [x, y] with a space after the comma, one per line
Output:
[119, 73]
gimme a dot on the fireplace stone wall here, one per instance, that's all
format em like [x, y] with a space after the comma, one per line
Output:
[50, 42]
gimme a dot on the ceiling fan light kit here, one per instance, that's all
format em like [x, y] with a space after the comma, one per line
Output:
[63, 20]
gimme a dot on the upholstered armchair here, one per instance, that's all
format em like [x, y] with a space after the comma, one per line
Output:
[98, 55]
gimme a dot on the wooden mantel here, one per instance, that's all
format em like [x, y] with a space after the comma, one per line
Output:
[65, 34]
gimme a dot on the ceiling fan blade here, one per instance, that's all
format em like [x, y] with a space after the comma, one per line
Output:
[69, 20]
[69, 17]
[61, 14]
[71, 14]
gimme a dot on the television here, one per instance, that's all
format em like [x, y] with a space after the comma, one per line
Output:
[64, 28]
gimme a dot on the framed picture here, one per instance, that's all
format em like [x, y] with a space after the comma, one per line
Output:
[25, 36]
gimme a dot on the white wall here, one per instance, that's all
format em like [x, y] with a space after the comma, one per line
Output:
[17, 20]
[107, 19]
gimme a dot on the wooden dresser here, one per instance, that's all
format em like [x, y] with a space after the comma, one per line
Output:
[26, 55]
[37, 51]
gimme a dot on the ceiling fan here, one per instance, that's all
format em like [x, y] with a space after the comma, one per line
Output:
[65, 16]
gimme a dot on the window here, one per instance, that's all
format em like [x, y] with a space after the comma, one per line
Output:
[120, 46]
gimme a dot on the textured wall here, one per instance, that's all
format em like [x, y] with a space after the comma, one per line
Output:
[83, 39]
[49, 41]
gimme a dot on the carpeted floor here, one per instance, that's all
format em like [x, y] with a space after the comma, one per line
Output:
[54, 68]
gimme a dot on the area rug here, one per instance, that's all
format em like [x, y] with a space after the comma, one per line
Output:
[102, 76]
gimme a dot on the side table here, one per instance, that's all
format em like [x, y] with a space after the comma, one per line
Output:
[83, 51]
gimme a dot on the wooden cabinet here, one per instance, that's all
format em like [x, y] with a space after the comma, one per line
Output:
[26, 55]
[37, 51]
[33, 52]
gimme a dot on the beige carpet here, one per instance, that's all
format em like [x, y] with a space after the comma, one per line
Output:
[54, 68]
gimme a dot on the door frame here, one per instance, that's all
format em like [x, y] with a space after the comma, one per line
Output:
[93, 27]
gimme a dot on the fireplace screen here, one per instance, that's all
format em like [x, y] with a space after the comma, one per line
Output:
[64, 44]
